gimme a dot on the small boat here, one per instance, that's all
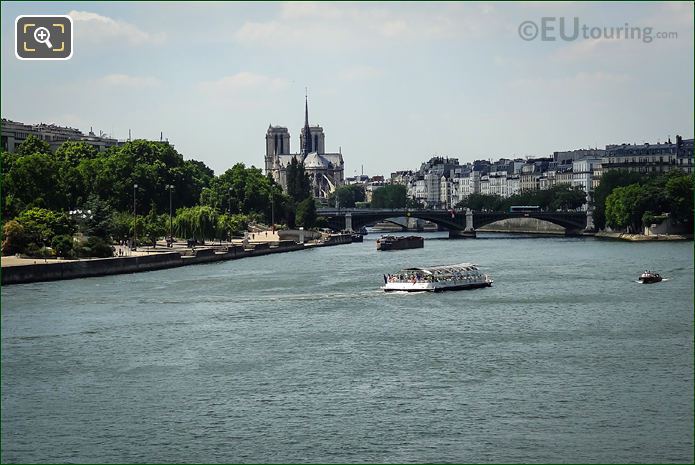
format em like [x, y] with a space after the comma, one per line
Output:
[357, 237]
[437, 278]
[399, 242]
[363, 231]
[649, 277]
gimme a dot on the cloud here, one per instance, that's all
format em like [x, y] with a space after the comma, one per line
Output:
[361, 73]
[340, 25]
[97, 29]
[125, 80]
[582, 83]
[243, 82]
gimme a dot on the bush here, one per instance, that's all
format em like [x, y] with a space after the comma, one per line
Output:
[98, 247]
[14, 238]
[35, 250]
[306, 213]
[62, 245]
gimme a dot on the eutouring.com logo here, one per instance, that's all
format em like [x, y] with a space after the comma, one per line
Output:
[552, 28]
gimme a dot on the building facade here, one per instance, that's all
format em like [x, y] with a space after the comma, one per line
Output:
[326, 170]
[14, 133]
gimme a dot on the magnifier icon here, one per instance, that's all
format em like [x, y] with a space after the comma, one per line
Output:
[43, 36]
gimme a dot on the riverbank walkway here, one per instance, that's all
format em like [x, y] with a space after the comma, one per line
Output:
[18, 270]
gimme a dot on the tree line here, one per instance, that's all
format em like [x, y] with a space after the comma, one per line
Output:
[629, 201]
[127, 191]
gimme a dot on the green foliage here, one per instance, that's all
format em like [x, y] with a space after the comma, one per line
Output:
[196, 222]
[650, 218]
[33, 181]
[96, 247]
[390, 196]
[14, 238]
[62, 245]
[298, 182]
[347, 196]
[100, 221]
[636, 205]
[306, 213]
[679, 191]
[41, 225]
[609, 181]
[154, 226]
[121, 226]
[558, 197]
[32, 145]
[231, 225]
[480, 202]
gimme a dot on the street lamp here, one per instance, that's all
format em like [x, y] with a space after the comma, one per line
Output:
[272, 207]
[170, 187]
[135, 220]
[230, 200]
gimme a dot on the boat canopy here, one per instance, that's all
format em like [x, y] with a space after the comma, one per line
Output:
[444, 269]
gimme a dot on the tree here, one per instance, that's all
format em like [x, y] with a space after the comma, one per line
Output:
[41, 225]
[390, 196]
[566, 197]
[306, 213]
[231, 225]
[154, 226]
[679, 192]
[121, 226]
[346, 196]
[479, 202]
[196, 222]
[62, 245]
[33, 181]
[14, 238]
[32, 145]
[609, 181]
[625, 207]
[99, 222]
[298, 182]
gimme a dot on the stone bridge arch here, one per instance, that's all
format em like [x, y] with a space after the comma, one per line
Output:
[572, 222]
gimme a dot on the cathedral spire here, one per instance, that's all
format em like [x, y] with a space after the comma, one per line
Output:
[306, 146]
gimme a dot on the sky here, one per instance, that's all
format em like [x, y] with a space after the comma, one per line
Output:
[392, 83]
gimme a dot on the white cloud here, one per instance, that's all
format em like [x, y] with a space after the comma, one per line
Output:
[243, 82]
[577, 84]
[361, 73]
[125, 80]
[341, 25]
[93, 28]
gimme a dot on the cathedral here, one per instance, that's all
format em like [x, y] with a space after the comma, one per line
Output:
[324, 169]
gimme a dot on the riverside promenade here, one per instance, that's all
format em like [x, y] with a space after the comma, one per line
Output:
[24, 270]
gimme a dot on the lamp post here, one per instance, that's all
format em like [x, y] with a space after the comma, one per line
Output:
[170, 187]
[229, 191]
[135, 220]
[272, 207]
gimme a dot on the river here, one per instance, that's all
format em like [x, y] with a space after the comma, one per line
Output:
[299, 357]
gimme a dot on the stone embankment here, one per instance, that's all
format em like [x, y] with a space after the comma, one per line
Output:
[53, 270]
[523, 225]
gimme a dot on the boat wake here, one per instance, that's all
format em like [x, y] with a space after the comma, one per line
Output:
[407, 292]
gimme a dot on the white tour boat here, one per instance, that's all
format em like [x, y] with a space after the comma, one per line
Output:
[437, 278]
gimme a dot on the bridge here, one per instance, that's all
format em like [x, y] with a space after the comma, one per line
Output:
[459, 223]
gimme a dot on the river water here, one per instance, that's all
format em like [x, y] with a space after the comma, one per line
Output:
[299, 357]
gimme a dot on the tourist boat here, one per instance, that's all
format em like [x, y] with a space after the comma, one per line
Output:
[649, 277]
[399, 242]
[437, 278]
